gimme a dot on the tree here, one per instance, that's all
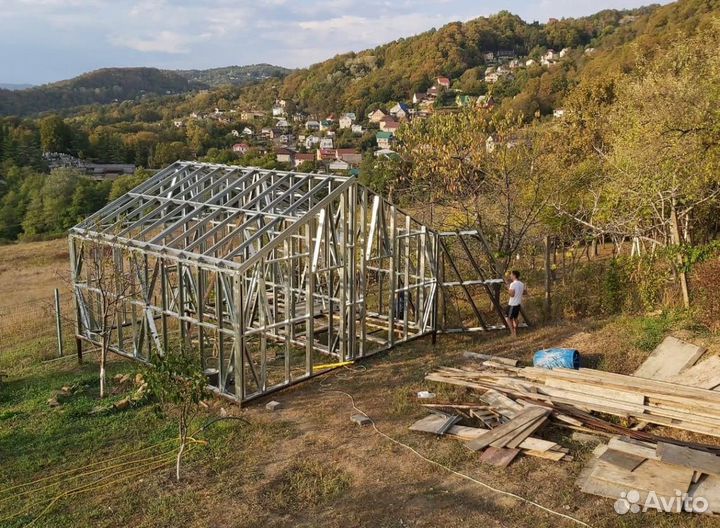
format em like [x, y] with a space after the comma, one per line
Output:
[111, 287]
[487, 171]
[55, 134]
[179, 384]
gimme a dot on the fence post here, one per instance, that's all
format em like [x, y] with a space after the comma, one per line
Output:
[58, 323]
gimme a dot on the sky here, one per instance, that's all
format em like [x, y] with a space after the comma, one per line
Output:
[48, 40]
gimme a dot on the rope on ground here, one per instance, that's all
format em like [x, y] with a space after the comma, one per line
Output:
[456, 473]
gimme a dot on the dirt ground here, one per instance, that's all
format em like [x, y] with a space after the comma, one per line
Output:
[307, 464]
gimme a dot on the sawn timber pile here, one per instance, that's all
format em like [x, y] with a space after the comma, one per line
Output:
[563, 390]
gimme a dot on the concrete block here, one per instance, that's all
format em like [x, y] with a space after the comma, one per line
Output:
[273, 405]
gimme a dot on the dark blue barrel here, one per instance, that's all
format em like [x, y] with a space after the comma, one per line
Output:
[551, 358]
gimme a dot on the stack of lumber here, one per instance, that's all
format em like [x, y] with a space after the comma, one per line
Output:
[564, 391]
[664, 469]
[473, 437]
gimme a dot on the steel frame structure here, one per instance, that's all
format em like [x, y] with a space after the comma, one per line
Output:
[269, 276]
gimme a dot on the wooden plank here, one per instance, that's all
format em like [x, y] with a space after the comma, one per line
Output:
[499, 456]
[601, 392]
[690, 458]
[708, 487]
[705, 375]
[521, 420]
[633, 447]
[669, 358]
[518, 437]
[651, 475]
[487, 357]
[622, 460]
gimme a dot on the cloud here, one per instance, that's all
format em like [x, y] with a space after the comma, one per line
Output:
[161, 42]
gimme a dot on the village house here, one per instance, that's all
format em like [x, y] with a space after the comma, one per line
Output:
[489, 56]
[564, 52]
[234, 132]
[558, 113]
[326, 143]
[345, 122]
[247, 131]
[514, 64]
[485, 101]
[349, 155]
[418, 98]
[301, 158]
[357, 129]
[400, 111]
[325, 154]
[492, 77]
[240, 148]
[384, 139]
[386, 153]
[338, 165]
[376, 116]
[432, 92]
[388, 124]
[249, 115]
[285, 155]
[282, 123]
[325, 124]
[311, 141]
[266, 132]
[443, 81]
[312, 125]
[278, 111]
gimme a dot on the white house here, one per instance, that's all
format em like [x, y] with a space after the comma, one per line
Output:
[311, 141]
[345, 122]
[492, 78]
[357, 129]
[282, 123]
[339, 165]
[326, 143]
[247, 131]
[278, 111]
[312, 125]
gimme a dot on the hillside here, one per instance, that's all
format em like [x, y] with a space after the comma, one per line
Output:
[110, 85]
[100, 86]
[234, 75]
[355, 81]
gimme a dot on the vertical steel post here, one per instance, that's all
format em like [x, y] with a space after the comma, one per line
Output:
[58, 323]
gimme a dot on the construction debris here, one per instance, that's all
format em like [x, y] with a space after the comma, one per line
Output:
[360, 419]
[675, 478]
[573, 394]
[273, 405]
[669, 358]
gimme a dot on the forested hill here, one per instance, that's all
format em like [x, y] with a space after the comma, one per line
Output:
[234, 75]
[394, 70]
[110, 85]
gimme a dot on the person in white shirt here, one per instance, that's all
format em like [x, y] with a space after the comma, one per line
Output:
[516, 291]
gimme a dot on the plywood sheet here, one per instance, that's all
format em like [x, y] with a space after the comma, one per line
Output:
[691, 458]
[705, 375]
[669, 358]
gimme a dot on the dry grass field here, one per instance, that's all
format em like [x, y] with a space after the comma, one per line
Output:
[305, 465]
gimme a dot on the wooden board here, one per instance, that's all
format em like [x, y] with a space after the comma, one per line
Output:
[705, 374]
[651, 475]
[669, 358]
[521, 420]
[690, 458]
[521, 435]
[709, 488]
[499, 456]
[625, 461]
[633, 447]
[462, 432]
